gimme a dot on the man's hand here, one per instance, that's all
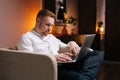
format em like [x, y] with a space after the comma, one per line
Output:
[63, 57]
[74, 47]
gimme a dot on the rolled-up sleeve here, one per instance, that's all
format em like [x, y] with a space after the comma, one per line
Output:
[64, 48]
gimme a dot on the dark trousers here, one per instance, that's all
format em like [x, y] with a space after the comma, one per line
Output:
[85, 69]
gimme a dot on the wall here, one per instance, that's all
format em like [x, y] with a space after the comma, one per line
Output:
[100, 12]
[16, 17]
[101, 17]
[112, 31]
[87, 16]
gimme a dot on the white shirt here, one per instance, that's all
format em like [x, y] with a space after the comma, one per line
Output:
[34, 42]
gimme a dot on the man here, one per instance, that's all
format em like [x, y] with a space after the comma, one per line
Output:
[38, 40]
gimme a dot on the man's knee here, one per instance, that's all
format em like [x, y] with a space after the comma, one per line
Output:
[99, 55]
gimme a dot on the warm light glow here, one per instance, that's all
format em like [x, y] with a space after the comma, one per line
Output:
[101, 30]
[30, 15]
[65, 15]
[33, 18]
[96, 26]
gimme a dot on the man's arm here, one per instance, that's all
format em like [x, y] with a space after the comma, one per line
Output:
[25, 44]
[74, 47]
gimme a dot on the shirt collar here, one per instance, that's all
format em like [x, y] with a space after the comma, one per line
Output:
[36, 33]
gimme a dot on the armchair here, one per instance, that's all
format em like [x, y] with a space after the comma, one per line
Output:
[19, 65]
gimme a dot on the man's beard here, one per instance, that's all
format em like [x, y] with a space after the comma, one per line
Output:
[45, 33]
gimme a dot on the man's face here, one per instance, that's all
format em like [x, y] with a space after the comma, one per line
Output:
[45, 25]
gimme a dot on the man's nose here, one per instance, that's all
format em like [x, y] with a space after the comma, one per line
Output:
[49, 28]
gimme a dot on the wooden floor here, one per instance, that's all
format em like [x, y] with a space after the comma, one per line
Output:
[109, 71]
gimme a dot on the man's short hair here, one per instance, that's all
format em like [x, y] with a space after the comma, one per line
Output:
[45, 12]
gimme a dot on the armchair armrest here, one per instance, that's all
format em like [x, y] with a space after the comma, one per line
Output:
[18, 65]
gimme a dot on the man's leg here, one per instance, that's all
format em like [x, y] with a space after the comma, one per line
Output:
[86, 69]
[91, 66]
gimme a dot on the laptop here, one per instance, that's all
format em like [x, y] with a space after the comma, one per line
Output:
[85, 48]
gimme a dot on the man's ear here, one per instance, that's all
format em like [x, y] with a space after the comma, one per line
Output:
[38, 21]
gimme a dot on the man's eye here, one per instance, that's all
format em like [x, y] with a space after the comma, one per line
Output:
[48, 24]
